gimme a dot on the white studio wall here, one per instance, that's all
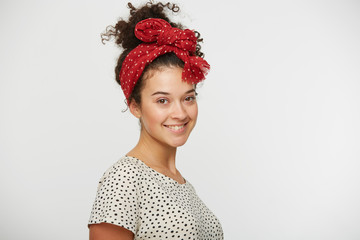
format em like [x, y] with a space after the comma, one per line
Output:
[275, 154]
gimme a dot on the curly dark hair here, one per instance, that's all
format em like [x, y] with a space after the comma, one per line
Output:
[123, 33]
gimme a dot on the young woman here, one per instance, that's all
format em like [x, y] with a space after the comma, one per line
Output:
[143, 195]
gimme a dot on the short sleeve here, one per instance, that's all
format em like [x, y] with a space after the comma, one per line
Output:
[117, 199]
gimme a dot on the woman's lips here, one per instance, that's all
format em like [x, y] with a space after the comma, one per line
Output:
[176, 127]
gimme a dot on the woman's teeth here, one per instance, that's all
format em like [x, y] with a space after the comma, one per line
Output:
[175, 127]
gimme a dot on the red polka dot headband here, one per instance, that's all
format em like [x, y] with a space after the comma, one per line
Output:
[159, 38]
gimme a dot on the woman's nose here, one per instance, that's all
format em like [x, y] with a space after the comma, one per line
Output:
[178, 111]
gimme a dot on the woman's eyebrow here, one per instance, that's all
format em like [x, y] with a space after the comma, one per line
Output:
[166, 93]
[191, 90]
[163, 93]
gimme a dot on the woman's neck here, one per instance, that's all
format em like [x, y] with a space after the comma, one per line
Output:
[155, 154]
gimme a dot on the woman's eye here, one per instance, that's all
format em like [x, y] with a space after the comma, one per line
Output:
[162, 101]
[190, 98]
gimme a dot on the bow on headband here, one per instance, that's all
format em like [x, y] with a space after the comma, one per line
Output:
[159, 38]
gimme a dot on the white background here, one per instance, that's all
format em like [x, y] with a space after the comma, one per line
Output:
[275, 154]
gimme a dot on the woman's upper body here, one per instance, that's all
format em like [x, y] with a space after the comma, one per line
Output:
[158, 71]
[152, 205]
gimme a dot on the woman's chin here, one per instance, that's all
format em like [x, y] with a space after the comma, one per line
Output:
[177, 143]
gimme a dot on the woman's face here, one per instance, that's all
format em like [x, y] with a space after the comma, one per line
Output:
[168, 109]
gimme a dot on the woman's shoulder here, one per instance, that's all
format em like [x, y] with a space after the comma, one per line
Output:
[126, 169]
[117, 199]
[124, 164]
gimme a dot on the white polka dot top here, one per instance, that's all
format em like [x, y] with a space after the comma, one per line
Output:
[151, 205]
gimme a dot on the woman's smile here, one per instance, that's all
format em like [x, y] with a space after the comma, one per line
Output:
[176, 128]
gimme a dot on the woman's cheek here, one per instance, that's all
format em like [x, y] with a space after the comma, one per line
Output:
[194, 111]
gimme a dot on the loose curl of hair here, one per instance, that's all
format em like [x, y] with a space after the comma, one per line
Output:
[123, 33]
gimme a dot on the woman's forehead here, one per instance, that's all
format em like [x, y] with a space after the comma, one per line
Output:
[167, 79]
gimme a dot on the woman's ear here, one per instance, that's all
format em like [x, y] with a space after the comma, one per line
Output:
[135, 109]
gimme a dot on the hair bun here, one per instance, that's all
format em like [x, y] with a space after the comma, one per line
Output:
[124, 31]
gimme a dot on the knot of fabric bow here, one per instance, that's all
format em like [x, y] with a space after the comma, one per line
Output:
[160, 31]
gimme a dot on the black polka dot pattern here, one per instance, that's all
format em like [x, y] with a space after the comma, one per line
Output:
[152, 205]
